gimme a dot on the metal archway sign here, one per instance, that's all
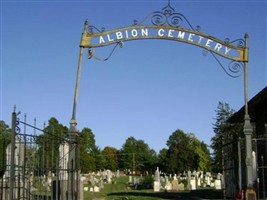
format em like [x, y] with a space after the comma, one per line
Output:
[193, 37]
[165, 24]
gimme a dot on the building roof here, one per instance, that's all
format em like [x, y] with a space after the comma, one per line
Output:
[259, 99]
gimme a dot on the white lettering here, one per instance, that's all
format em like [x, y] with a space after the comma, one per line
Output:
[227, 50]
[161, 32]
[119, 35]
[208, 42]
[134, 33]
[126, 33]
[144, 32]
[101, 40]
[181, 34]
[218, 47]
[170, 33]
[109, 39]
[190, 37]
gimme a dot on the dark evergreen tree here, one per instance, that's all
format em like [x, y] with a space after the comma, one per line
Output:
[225, 134]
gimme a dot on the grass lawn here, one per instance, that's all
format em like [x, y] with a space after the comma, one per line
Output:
[121, 191]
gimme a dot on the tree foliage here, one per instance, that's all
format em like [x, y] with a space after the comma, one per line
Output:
[224, 133]
[162, 159]
[111, 157]
[186, 152]
[49, 142]
[88, 150]
[136, 155]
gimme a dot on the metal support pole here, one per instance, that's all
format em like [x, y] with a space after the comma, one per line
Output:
[78, 75]
[247, 125]
[12, 159]
[74, 160]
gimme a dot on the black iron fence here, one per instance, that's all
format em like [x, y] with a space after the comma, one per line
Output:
[30, 172]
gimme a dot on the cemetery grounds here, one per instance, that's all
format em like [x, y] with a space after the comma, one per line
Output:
[120, 189]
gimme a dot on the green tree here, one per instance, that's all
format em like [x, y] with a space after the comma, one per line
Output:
[179, 152]
[5, 133]
[99, 158]
[49, 142]
[186, 152]
[202, 157]
[205, 158]
[224, 133]
[136, 155]
[111, 156]
[87, 150]
[162, 160]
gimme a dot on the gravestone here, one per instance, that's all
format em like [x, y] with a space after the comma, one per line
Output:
[130, 179]
[175, 185]
[156, 186]
[218, 184]
[168, 186]
[118, 173]
[208, 178]
[188, 180]
[198, 182]
[180, 187]
[193, 184]
[96, 189]
[109, 175]
[157, 175]
[101, 185]
[157, 181]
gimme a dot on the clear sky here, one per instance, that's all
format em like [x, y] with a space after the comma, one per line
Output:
[147, 89]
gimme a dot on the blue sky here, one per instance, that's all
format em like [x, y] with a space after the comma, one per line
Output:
[147, 89]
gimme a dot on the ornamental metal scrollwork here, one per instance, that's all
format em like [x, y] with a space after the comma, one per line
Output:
[237, 42]
[17, 128]
[234, 67]
[167, 16]
[91, 52]
[168, 24]
[91, 29]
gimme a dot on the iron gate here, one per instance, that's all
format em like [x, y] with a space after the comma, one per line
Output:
[30, 172]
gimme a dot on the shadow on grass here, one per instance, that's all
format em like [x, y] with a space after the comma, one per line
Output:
[205, 194]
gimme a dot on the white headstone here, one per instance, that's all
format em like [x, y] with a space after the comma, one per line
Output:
[198, 182]
[96, 189]
[156, 186]
[218, 184]
[157, 175]
[175, 185]
[168, 186]
[193, 184]
[130, 179]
